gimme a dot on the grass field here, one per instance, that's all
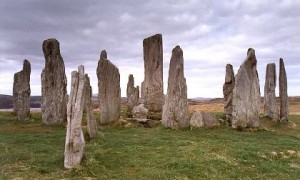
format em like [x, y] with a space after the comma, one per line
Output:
[30, 150]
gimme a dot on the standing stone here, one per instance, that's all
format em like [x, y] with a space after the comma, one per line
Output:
[21, 92]
[90, 118]
[109, 90]
[284, 101]
[175, 109]
[228, 91]
[152, 86]
[54, 83]
[132, 94]
[270, 107]
[74, 146]
[246, 94]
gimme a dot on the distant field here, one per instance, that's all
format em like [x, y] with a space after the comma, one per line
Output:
[31, 150]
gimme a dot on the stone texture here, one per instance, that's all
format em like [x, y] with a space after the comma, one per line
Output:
[175, 109]
[202, 119]
[284, 101]
[109, 90]
[132, 95]
[270, 107]
[152, 86]
[88, 103]
[74, 146]
[228, 92]
[21, 92]
[139, 112]
[54, 85]
[246, 94]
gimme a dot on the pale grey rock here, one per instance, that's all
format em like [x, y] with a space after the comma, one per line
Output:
[202, 119]
[74, 146]
[175, 109]
[109, 90]
[90, 118]
[21, 92]
[132, 95]
[139, 112]
[283, 88]
[228, 91]
[246, 94]
[152, 86]
[54, 85]
[270, 107]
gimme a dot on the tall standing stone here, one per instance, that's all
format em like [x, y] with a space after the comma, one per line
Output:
[21, 92]
[246, 94]
[284, 101]
[109, 90]
[270, 107]
[132, 94]
[54, 83]
[228, 91]
[175, 109]
[74, 146]
[90, 118]
[152, 86]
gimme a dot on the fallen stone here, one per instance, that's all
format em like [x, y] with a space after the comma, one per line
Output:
[139, 112]
[202, 119]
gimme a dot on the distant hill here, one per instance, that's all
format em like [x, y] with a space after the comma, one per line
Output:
[6, 101]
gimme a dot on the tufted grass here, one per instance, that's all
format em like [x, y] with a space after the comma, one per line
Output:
[31, 150]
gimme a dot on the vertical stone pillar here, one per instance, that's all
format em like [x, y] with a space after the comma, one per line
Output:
[132, 95]
[74, 146]
[228, 92]
[270, 107]
[284, 99]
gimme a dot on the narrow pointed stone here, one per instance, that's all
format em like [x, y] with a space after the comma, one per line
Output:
[175, 109]
[74, 146]
[21, 92]
[90, 118]
[284, 100]
[228, 91]
[109, 90]
[152, 86]
[132, 95]
[246, 94]
[270, 107]
[54, 85]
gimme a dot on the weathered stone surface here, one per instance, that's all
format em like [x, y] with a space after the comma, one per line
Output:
[139, 112]
[202, 119]
[21, 92]
[152, 86]
[109, 90]
[246, 94]
[74, 146]
[228, 91]
[88, 103]
[284, 101]
[270, 107]
[175, 109]
[54, 84]
[132, 94]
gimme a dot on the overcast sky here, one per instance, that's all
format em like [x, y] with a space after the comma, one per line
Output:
[211, 34]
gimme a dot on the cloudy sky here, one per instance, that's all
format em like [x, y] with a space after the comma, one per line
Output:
[211, 34]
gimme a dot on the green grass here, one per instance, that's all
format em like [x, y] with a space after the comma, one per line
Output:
[30, 150]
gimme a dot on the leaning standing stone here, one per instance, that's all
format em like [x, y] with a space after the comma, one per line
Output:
[54, 85]
[109, 90]
[270, 107]
[227, 91]
[74, 147]
[90, 118]
[284, 101]
[21, 92]
[152, 86]
[246, 94]
[175, 110]
[132, 95]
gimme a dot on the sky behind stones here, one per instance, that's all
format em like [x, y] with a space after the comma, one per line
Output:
[211, 34]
